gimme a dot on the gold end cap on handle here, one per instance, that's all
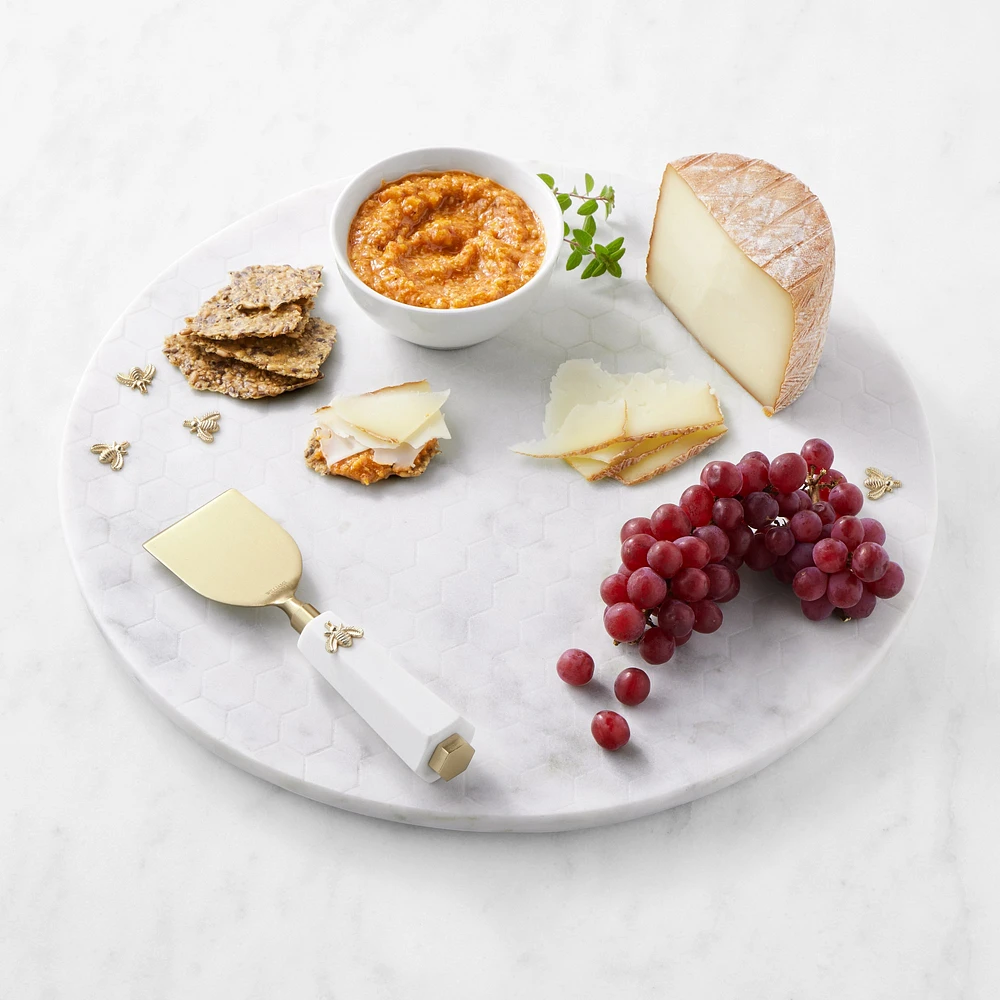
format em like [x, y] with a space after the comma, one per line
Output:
[451, 756]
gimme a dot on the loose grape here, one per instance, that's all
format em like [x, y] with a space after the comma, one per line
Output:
[697, 504]
[635, 526]
[830, 555]
[634, 550]
[754, 474]
[817, 453]
[695, 552]
[788, 472]
[689, 584]
[575, 667]
[759, 509]
[809, 584]
[779, 539]
[723, 478]
[707, 616]
[844, 589]
[806, 526]
[889, 584]
[675, 618]
[723, 583]
[669, 522]
[610, 730]
[665, 558]
[624, 622]
[826, 513]
[727, 513]
[632, 684]
[739, 540]
[655, 647]
[817, 610]
[849, 530]
[864, 607]
[869, 562]
[874, 532]
[846, 499]
[758, 557]
[716, 540]
[614, 589]
[646, 588]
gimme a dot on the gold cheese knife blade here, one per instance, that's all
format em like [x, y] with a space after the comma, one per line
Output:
[230, 551]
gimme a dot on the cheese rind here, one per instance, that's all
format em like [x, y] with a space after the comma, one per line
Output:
[743, 254]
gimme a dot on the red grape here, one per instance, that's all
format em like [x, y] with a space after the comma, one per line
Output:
[869, 562]
[817, 610]
[864, 607]
[646, 588]
[759, 509]
[697, 504]
[779, 539]
[830, 555]
[610, 730]
[788, 472]
[826, 513]
[732, 562]
[783, 571]
[722, 478]
[634, 550]
[575, 667]
[681, 639]
[827, 531]
[890, 583]
[707, 616]
[756, 456]
[723, 583]
[792, 503]
[675, 618]
[849, 530]
[753, 472]
[801, 556]
[739, 540]
[655, 647]
[829, 481]
[689, 584]
[818, 454]
[809, 584]
[614, 589]
[806, 526]
[758, 557]
[727, 513]
[632, 684]
[716, 540]
[624, 622]
[669, 522]
[695, 552]
[844, 589]
[846, 499]
[665, 558]
[635, 526]
[874, 532]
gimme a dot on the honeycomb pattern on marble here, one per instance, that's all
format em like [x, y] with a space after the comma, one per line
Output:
[479, 573]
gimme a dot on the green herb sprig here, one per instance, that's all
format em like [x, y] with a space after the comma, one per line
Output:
[603, 258]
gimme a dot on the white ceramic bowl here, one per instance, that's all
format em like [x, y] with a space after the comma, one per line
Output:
[447, 328]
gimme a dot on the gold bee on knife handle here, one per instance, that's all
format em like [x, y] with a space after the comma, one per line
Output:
[341, 635]
[204, 426]
[878, 483]
[111, 454]
[137, 378]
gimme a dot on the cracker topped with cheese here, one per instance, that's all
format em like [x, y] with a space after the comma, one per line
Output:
[392, 431]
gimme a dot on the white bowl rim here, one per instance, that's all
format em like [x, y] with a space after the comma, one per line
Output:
[549, 260]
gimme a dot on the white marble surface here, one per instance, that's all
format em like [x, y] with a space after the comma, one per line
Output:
[134, 863]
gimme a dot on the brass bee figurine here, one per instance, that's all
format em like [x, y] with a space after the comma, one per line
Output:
[111, 454]
[137, 378]
[341, 635]
[204, 426]
[878, 483]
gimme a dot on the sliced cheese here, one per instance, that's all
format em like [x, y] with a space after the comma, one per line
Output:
[742, 253]
[667, 456]
[588, 427]
[656, 406]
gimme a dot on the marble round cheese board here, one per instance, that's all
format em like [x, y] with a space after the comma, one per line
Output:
[480, 572]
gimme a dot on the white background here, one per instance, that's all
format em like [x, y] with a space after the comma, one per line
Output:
[135, 864]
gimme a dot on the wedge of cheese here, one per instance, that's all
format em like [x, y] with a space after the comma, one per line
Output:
[742, 253]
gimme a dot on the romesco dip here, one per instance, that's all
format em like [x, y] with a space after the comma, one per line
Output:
[445, 240]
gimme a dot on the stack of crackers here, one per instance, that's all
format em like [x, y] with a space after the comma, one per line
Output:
[255, 337]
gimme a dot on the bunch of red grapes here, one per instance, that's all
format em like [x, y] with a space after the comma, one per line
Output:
[680, 564]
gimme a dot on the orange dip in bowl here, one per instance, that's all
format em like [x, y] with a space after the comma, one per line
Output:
[445, 241]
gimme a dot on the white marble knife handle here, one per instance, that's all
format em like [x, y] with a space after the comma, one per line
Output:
[408, 716]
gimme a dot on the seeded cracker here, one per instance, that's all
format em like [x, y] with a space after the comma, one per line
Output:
[299, 356]
[219, 319]
[362, 467]
[268, 286]
[211, 373]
